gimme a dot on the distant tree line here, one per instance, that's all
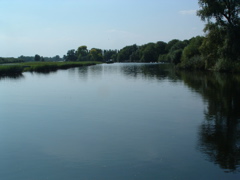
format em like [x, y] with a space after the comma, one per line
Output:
[171, 52]
[218, 50]
[95, 54]
[4, 60]
[40, 58]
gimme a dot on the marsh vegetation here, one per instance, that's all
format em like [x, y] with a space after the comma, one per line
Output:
[16, 69]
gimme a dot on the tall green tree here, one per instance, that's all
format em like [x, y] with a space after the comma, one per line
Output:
[193, 48]
[109, 54]
[125, 53]
[191, 54]
[224, 12]
[175, 52]
[96, 54]
[222, 41]
[82, 53]
[71, 55]
[37, 57]
[149, 53]
[161, 47]
[170, 44]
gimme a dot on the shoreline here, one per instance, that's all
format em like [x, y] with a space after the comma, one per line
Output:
[40, 67]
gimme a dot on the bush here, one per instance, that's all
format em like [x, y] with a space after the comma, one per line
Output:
[195, 62]
[225, 65]
[164, 58]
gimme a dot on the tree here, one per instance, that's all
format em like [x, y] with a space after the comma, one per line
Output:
[191, 55]
[96, 54]
[193, 48]
[71, 55]
[135, 56]
[149, 54]
[109, 54]
[224, 12]
[125, 53]
[170, 44]
[56, 58]
[82, 53]
[161, 47]
[175, 52]
[42, 59]
[37, 58]
[223, 30]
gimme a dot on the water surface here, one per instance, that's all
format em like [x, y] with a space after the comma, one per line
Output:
[120, 121]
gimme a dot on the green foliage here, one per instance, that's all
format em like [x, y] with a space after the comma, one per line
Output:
[109, 54]
[26, 58]
[191, 55]
[31, 58]
[41, 67]
[224, 65]
[149, 53]
[175, 56]
[10, 70]
[53, 66]
[71, 55]
[175, 52]
[195, 62]
[164, 58]
[170, 44]
[135, 56]
[180, 45]
[161, 47]
[125, 53]
[37, 58]
[146, 53]
[95, 54]
[224, 12]
[223, 32]
[82, 53]
[210, 48]
[10, 60]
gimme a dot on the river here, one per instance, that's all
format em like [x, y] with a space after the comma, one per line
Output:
[120, 121]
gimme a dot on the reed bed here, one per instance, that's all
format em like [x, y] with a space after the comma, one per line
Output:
[43, 67]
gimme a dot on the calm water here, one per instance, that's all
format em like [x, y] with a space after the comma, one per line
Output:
[121, 122]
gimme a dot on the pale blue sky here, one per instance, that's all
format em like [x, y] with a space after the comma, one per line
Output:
[52, 27]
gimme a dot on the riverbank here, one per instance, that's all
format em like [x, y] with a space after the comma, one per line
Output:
[44, 67]
[221, 66]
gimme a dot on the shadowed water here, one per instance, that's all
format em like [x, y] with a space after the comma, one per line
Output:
[120, 121]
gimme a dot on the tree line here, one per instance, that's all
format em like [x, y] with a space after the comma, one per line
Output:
[151, 52]
[95, 54]
[40, 58]
[10, 60]
[218, 50]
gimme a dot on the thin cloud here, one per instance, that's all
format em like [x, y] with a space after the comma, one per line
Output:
[188, 12]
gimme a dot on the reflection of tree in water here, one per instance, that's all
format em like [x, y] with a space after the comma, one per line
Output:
[12, 77]
[220, 132]
[149, 71]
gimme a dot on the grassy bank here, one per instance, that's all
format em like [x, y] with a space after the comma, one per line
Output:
[10, 70]
[44, 67]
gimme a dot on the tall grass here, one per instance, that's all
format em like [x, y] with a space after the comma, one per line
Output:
[41, 67]
[53, 66]
[11, 70]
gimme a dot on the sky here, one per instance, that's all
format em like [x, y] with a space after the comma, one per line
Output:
[52, 27]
